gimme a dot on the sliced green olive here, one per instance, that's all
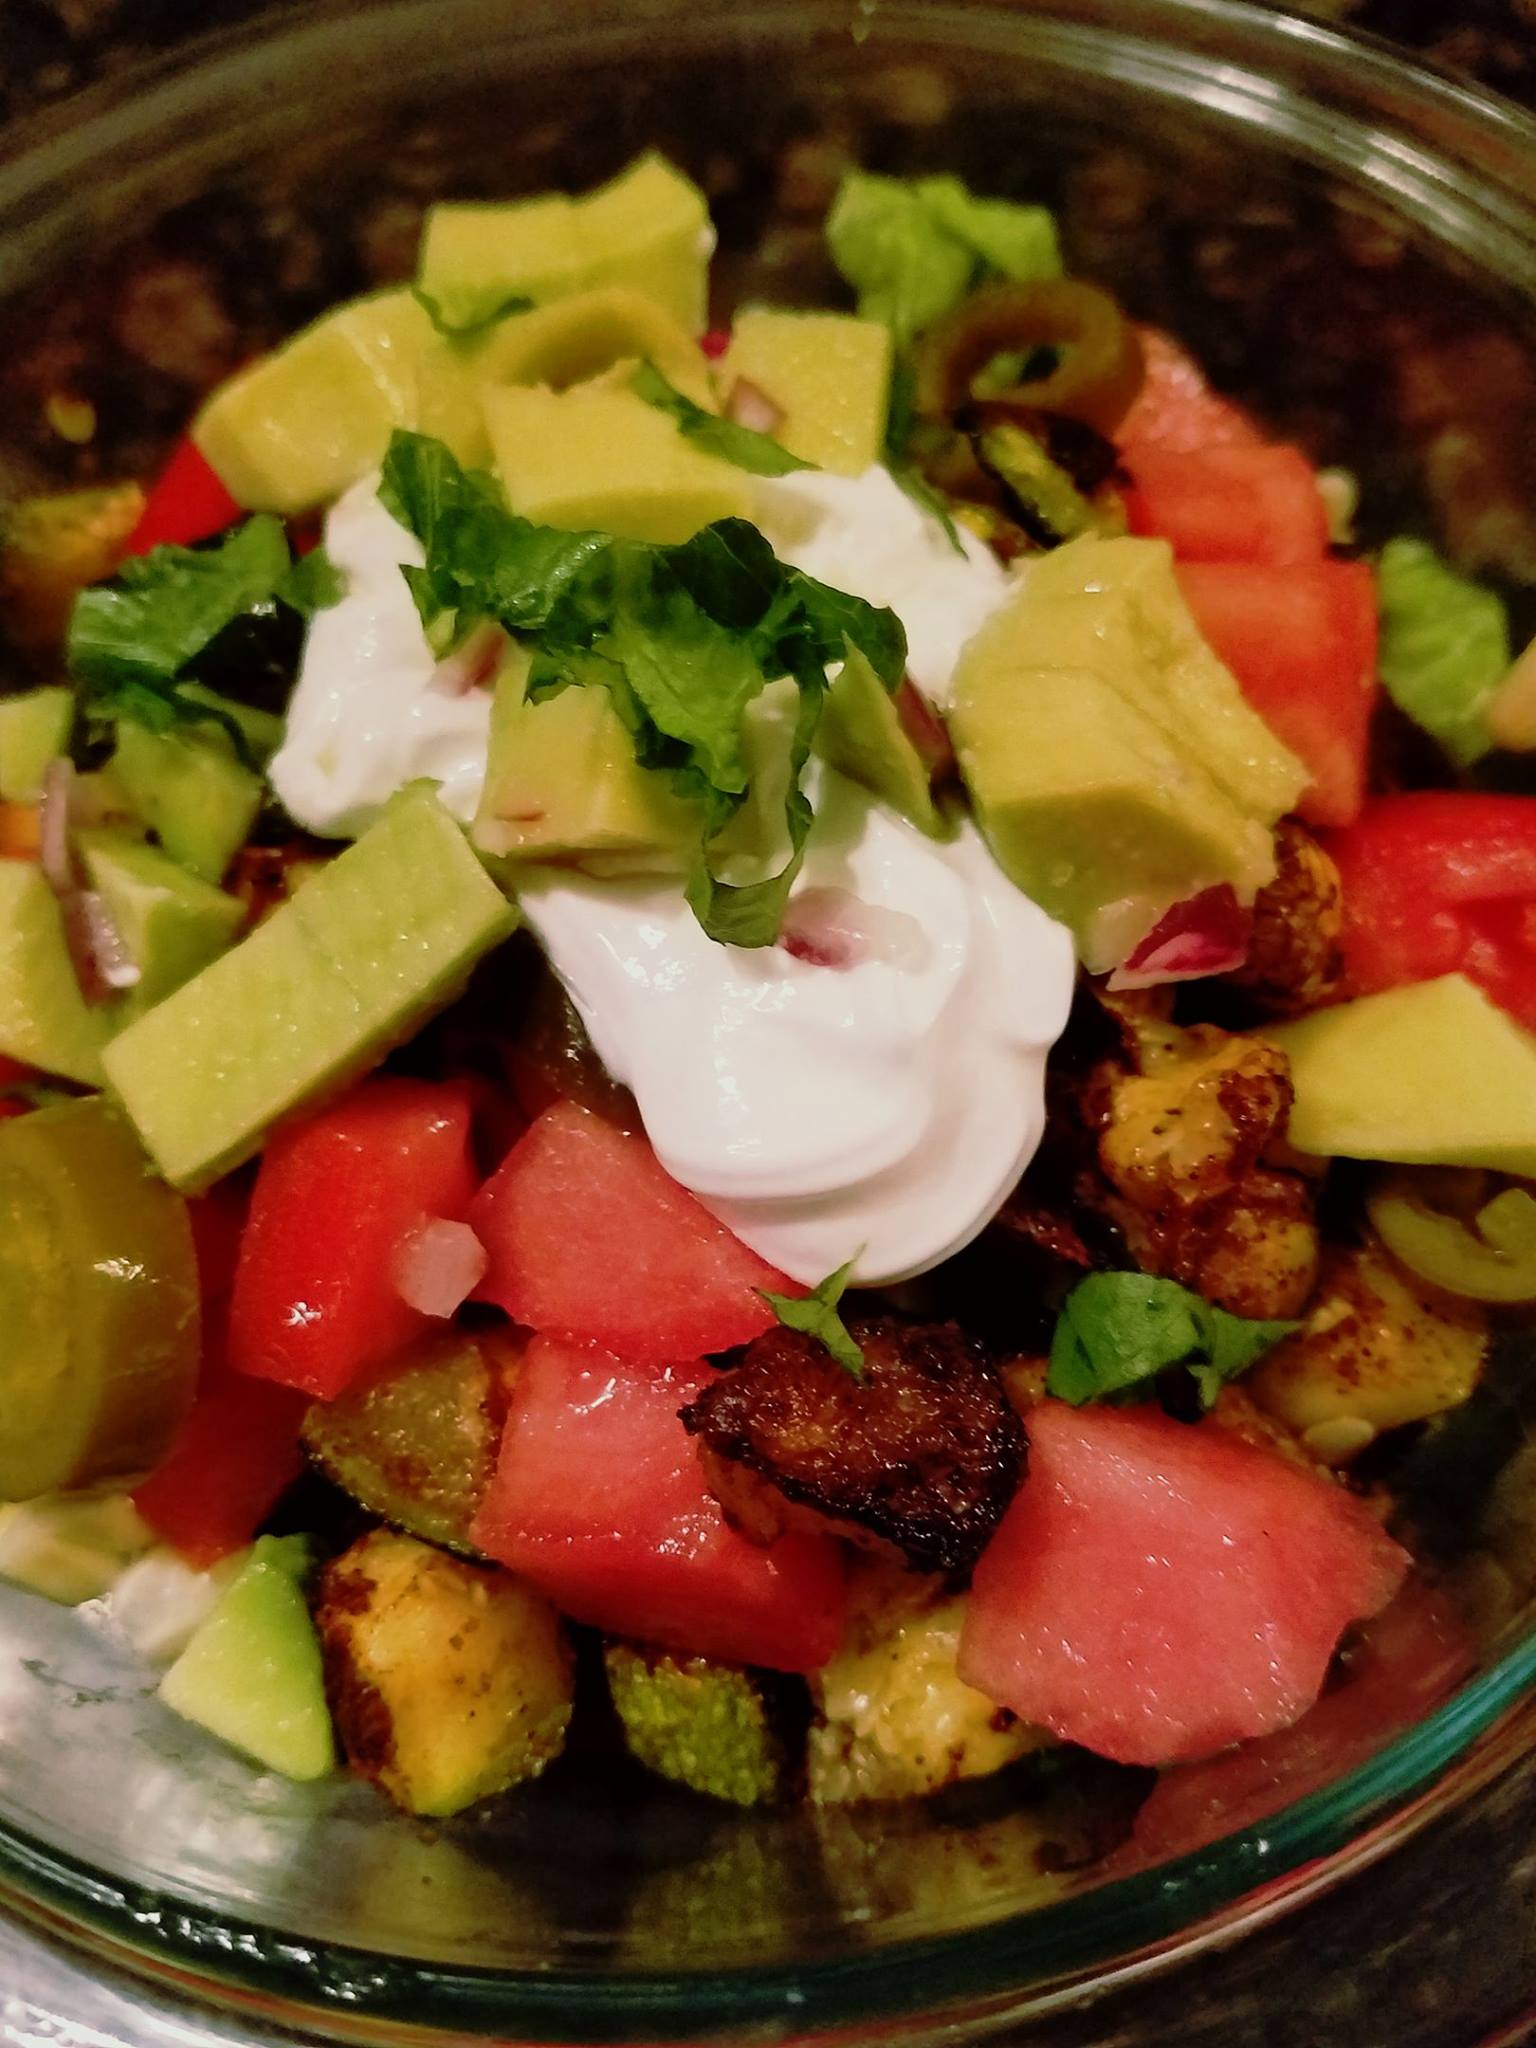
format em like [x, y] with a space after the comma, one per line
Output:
[100, 1326]
[1097, 373]
[1488, 1257]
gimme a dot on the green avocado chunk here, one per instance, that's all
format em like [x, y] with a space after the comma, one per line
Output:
[252, 1672]
[353, 963]
[34, 730]
[172, 923]
[861, 734]
[1434, 1075]
[45, 1022]
[189, 788]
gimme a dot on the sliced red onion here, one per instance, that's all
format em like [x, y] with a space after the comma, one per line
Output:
[1205, 934]
[438, 1266]
[113, 962]
[829, 927]
[750, 406]
[473, 664]
[103, 965]
[926, 730]
[55, 853]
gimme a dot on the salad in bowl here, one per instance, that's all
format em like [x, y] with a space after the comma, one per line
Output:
[797, 1043]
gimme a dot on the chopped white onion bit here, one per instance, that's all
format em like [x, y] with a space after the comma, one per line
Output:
[438, 1266]
[55, 854]
[113, 963]
[750, 406]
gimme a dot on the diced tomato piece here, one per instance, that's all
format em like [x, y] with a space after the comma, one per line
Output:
[599, 1499]
[218, 1224]
[1159, 1590]
[315, 1300]
[1302, 645]
[188, 502]
[1230, 504]
[1177, 410]
[1501, 957]
[591, 1240]
[1408, 1660]
[232, 1458]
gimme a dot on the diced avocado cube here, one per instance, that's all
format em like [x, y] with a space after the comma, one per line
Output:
[300, 425]
[50, 548]
[1114, 605]
[563, 782]
[578, 338]
[252, 1672]
[1083, 800]
[354, 962]
[861, 734]
[45, 1022]
[477, 256]
[719, 1729]
[172, 923]
[600, 457]
[192, 793]
[1434, 1074]
[650, 228]
[828, 373]
[34, 730]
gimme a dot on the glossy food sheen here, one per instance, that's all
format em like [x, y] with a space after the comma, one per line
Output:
[1158, 1591]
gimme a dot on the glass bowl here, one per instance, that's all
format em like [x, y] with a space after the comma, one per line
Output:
[1347, 243]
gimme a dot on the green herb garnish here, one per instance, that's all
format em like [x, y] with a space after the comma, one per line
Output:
[1117, 1332]
[906, 472]
[488, 312]
[682, 638]
[816, 1315]
[132, 640]
[758, 454]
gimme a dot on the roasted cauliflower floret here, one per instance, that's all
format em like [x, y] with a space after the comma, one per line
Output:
[918, 1458]
[1182, 1148]
[1376, 1351]
[449, 1681]
[716, 1728]
[894, 1718]
[1294, 962]
[417, 1446]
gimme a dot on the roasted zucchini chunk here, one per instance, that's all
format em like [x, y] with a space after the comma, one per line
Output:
[918, 1459]
[448, 1681]
[894, 1718]
[1376, 1351]
[417, 1446]
[50, 548]
[719, 1729]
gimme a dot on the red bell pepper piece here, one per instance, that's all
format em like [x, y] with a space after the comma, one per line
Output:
[316, 1302]
[232, 1458]
[188, 502]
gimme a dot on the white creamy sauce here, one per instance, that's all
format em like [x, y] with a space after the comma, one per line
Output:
[878, 1110]
[863, 534]
[373, 708]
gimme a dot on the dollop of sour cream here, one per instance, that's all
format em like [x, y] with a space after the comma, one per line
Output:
[878, 1110]
[871, 1088]
[373, 708]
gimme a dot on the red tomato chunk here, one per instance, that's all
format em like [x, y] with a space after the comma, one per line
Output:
[1230, 504]
[1176, 410]
[591, 1240]
[315, 1301]
[599, 1499]
[235, 1454]
[188, 502]
[1159, 1590]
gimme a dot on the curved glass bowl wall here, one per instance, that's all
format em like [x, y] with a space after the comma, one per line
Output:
[1351, 247]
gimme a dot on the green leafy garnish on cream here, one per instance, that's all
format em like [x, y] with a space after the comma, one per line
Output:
[1117, 1332]
[815, 1314]
[133, 640]
[758, 454]
[682, 638]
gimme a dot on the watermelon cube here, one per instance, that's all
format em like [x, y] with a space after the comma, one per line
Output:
[1230, 504]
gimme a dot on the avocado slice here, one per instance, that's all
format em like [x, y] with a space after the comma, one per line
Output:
[172, 923]
[828, 373]
[1429, 1075]
[861, 734]
[252, 1674]
[649, 227]
[45, 1022]
[353, 963]
[34, 730]
[598, 456]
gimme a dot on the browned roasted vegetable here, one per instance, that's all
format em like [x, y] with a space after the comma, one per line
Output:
[917, 1459]
[449, 1682]
[1098, 369]
[1293, 960]
[50, 548]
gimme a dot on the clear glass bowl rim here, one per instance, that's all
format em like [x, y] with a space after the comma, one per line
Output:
[1485, 150]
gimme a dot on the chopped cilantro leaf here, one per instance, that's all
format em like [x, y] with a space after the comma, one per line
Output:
[1117, 1332]
[816, 1315]
[759, 454]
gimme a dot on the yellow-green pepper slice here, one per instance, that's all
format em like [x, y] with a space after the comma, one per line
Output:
[100, 1323]
[1097, 374]
[1489, 1256]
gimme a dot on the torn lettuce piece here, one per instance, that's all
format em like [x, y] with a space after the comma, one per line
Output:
[1444, 646]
